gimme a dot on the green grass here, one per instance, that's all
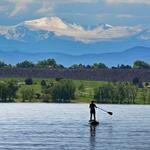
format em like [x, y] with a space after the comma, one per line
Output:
[85, 95]
[81, 96]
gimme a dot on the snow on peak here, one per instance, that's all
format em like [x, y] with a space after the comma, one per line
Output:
[46, 23]
[43, 26]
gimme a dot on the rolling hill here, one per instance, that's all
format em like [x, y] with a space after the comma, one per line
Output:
[110, 59]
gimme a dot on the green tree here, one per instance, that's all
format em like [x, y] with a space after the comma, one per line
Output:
[8, 91]
[25, 64]
[136, 81]
[104, 94]
[63, 91]
[118, 93]
[12, 89]
[3, 92]
[77, 66]
[99, 65]
[141, 65]
[2, 64]
[49, 63]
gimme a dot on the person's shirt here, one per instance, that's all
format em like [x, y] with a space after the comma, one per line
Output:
[92, 106]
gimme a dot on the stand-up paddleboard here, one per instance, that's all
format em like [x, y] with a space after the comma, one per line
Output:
[93, 122]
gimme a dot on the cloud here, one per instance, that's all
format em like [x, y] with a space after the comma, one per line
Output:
[128, 1]
[104, 32]
[19, 7]
[46, 6]
[77, 1]
[125, 16]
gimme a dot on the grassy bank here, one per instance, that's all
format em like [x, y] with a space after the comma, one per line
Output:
[84, 92]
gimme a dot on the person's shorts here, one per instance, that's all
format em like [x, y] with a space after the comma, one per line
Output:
[92, 112]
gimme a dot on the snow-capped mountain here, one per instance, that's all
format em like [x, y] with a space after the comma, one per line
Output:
[55, 25]
[55, 35]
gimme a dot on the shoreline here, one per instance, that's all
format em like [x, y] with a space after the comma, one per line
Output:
[66, 103]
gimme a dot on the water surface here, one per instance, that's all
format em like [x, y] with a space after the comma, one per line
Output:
[65, 127]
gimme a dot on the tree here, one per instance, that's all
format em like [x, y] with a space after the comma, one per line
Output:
[120, 93]
[77, 66]
[49, 63]
[25, 64]
[63, 91]
[99, 65]
[8, 91]
[43, 83]
[136, 81]
[141, 65]
[104, 94]
[3, 92]
[12, 90]
[2, 64]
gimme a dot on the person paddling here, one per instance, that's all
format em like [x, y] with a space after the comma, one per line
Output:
[92, 110]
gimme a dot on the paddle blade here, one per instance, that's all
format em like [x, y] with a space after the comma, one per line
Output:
[110, 113]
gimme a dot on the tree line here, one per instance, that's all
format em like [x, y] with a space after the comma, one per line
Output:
[64, 91]
[117, 93]
[51, 63]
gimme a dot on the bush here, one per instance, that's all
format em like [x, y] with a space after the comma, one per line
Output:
[27, 94]
[43, 83]
[28, 81]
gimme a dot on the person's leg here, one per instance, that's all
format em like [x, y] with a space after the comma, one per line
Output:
[94, 116]
[90, 116]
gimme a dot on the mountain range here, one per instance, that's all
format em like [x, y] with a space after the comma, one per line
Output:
[55, 35]
[110, 59]
[72, 43]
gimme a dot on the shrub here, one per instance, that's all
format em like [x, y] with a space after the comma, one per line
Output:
[28, 81]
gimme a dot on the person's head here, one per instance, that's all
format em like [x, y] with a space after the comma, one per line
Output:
[92, 102]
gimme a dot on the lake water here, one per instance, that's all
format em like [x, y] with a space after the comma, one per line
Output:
[65, 127]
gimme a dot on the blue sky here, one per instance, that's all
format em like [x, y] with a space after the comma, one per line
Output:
[83, 12]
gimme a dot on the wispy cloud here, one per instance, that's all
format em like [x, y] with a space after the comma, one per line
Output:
[46, 6]
[125, 16]
[19, 7]
[128, 1]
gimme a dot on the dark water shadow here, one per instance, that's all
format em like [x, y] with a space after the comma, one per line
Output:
[100, 132]
[92, 137]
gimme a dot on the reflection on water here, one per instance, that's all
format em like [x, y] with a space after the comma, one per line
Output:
[92, 137]
[66, 127]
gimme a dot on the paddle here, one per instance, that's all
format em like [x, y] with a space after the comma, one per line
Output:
[110, 113]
